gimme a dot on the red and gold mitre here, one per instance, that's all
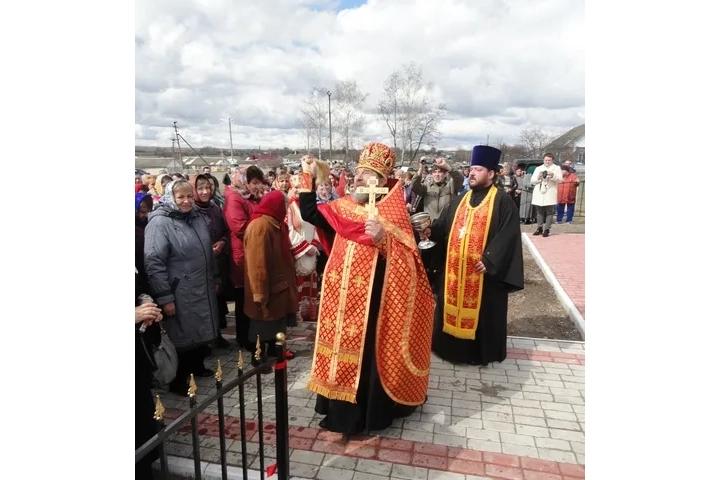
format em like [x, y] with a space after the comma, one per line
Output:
[378, 158]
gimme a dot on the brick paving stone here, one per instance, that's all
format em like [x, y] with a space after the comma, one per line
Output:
[531, 425]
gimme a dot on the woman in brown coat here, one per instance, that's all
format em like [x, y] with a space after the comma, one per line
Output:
[271, 299]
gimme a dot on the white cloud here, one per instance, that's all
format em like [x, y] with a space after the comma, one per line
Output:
[499, 65]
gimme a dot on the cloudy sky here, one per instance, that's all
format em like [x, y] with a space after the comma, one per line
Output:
[499, 65]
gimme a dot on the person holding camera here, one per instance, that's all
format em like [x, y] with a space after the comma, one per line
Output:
[545, 178]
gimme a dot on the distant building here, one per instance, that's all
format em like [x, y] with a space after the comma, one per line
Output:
[569, 146]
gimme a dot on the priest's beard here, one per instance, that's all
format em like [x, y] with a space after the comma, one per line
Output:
[481, 187]
[363, 198]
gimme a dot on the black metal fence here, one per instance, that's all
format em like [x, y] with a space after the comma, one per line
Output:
[259, 367]
[578, 207]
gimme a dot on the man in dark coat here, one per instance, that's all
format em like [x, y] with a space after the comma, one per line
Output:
[478, 235]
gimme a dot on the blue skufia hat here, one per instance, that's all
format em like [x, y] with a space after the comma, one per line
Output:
[485, 156]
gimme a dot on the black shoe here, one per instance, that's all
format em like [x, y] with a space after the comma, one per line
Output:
[206, 351]
[267, 369]
[546, 233]
[538, 231]
[220, 342]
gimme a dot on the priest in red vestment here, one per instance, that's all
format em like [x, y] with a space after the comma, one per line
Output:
[372, 350]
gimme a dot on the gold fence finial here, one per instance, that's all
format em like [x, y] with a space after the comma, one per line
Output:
[159, 409]
[258, 349]
[280, 338]
[193, 386]
[218, 372]
[240, 360]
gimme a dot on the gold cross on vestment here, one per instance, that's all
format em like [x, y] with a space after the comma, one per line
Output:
[372, 190]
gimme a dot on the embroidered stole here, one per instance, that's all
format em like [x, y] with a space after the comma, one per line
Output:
[463, 283]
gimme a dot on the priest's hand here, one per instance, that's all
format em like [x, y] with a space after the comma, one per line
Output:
[309, 165]
[374, 230]
[480, 267]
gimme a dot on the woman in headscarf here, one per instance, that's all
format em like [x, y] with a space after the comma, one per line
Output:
[217, 197]
[213, 215]
[183, 279]
[271, 300]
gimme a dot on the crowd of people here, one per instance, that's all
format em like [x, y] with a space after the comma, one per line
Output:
[336, 248]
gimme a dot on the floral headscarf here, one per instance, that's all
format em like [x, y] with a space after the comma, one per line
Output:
[168, 200]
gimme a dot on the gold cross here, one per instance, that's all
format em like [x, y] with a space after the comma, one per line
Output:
[333, 276]
[359, 281]
[353, 330]
[372, 190]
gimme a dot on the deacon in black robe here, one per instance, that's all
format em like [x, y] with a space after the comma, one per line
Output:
[503, 259]
[374, 409]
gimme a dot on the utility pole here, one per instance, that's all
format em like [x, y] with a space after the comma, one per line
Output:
[177, 139]
[330, 124]
[487, 142]
[173, 151]
[232, 156]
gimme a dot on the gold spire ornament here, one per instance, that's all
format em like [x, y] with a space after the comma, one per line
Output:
[218, 372]
[159, 409]
[258, 349]
[240, 361]
[193, 386]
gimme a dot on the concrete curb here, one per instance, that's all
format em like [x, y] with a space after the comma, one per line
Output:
[181, 467]
[545, 340]
[567, 304]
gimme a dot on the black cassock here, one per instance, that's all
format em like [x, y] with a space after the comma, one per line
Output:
[504, 262]
[374, 410]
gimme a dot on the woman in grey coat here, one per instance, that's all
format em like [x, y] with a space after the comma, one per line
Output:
[183, 278]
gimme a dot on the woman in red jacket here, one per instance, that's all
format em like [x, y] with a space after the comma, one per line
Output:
[241, 198]
[566, 193]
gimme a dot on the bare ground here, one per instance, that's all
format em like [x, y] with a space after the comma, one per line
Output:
[536, 311]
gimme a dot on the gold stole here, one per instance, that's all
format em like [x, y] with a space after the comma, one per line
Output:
[463, 283]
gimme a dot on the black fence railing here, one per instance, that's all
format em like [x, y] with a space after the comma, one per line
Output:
[260, 366]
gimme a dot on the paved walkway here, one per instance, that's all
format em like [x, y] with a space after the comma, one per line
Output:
[565, 255]
[523, 419]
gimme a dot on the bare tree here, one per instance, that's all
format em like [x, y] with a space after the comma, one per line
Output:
[314, 116]
[306, 125]
[407, 108]
[348, 111]
[533, 141]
